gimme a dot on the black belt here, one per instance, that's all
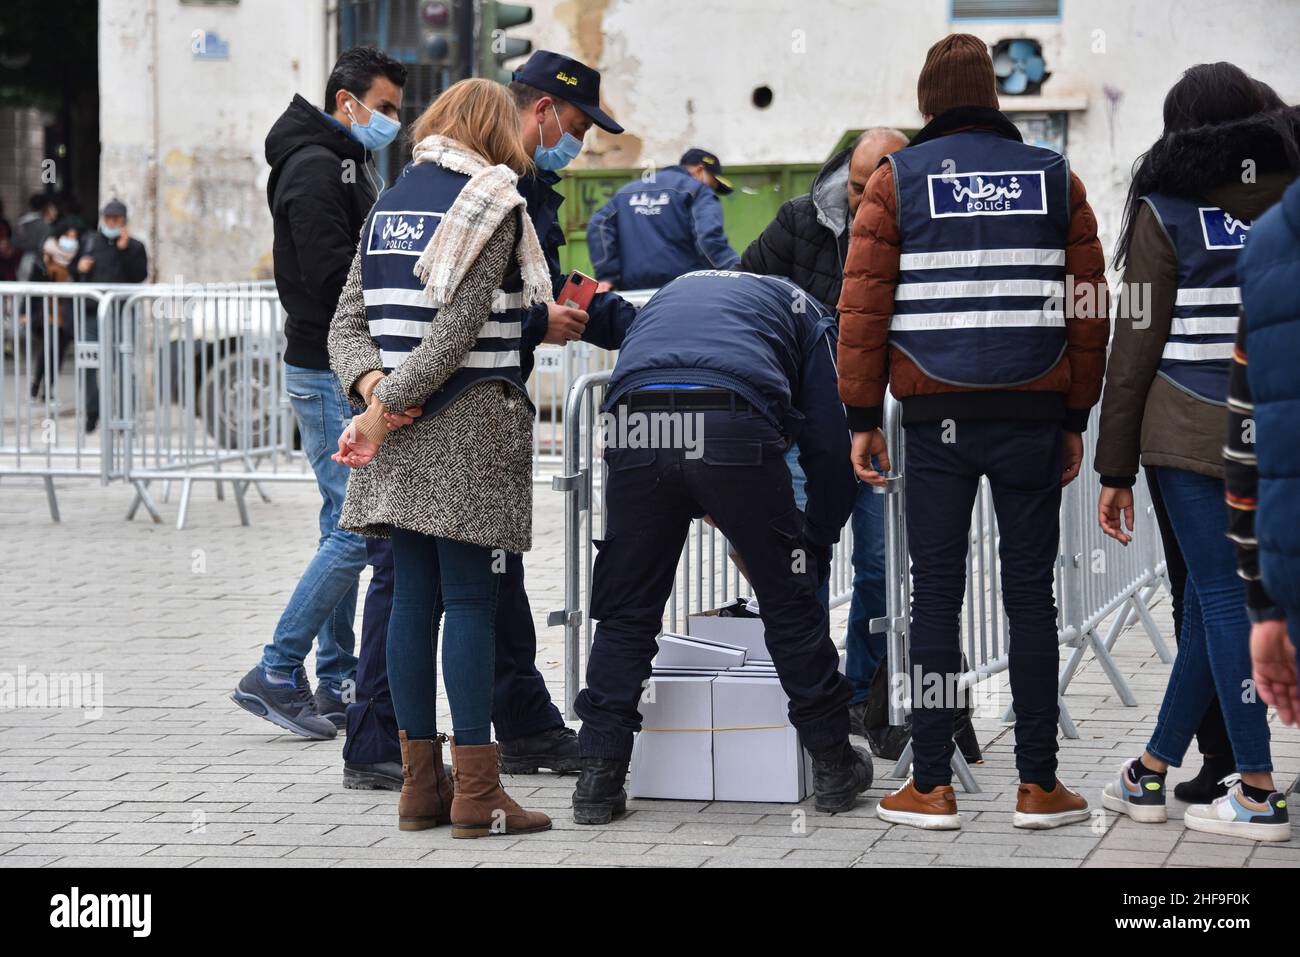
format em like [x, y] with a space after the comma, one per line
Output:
[697, 400]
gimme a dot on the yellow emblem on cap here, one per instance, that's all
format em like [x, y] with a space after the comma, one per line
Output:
[709, 159]
[565, 78]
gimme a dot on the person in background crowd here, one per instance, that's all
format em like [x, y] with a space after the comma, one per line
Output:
[109, 255]
[807, 243]
[30, 234]
[1189, 211]
[10, 254]
[1261, 458]
[59, 253]
[776, 375]
[531, 733]
[962, 291]
[658, 228]
[321, 187]
[430, 317]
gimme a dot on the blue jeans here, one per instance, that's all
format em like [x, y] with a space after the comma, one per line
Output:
[432, 575]
[864, 650]
[1214, 647]
[324, 604]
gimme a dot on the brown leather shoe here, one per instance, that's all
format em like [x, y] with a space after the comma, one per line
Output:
[936, 811]
[425, 800]
[481, 806]
[1038, 809]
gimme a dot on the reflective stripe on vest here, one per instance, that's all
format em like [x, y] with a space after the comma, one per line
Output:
[398, 311]
[982, 259]
[1206, 241]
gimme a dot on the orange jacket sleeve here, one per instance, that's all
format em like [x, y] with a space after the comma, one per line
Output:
[1087, 324]
[867, 302]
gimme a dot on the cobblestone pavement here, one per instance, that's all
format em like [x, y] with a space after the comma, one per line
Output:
[172, 773]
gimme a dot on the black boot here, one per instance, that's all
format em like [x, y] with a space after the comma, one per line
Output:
[385, 776]
[555, 749]
[1205, 787]
[599, 796]
[840, 773]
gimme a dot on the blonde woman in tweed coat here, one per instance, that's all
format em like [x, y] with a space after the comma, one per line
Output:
[427, 336]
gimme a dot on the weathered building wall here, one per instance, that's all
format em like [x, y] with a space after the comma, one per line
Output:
[680, 73]
[184, 135]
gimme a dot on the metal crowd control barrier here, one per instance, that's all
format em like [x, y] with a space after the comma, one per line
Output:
[45, 431]
[189, 380]
[1096, 579]
[706, 576]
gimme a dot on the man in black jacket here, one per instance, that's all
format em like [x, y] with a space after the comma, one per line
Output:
[322, 185]
[108, 255]
[809, 238]
[807, 242]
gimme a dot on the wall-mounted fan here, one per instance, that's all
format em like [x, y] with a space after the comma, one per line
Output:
[1019, 67]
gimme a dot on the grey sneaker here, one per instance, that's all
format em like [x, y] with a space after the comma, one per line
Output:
[285, 702]
[330, 706]
[1142, 799]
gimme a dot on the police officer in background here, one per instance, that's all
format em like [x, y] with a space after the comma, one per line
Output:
[964, 275]
[752, 360]
[652, 231]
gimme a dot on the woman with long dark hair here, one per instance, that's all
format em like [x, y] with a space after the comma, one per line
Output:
[1227, 152]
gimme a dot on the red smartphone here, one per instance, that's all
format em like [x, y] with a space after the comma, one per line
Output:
[577, 291]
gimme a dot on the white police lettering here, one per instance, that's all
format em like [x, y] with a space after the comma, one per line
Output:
[1007, 193]
[401, 233]
[646, 205]
[1222, 230]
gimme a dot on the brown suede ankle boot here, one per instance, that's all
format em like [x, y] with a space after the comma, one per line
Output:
[426, 796]
[481, 806]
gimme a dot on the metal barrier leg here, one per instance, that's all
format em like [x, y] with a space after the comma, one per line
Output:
[1153, 633]
[240, 489]
[52, 498]
[904, 761]
[185, 503]
[142, 497]
[963, 772]
[1064, 721]
[1111, 669]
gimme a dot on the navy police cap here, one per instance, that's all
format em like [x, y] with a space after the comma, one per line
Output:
[570, 80]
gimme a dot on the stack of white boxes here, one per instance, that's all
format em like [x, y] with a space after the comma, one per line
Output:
[714, 720]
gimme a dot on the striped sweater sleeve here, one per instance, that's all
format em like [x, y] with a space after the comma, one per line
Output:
[1241, 480]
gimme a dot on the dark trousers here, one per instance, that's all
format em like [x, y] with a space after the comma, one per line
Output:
[372, 724]
[742, 482]
[1023, 462]
[1212, 732]
[521, 703]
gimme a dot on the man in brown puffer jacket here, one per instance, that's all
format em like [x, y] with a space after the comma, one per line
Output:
[975, 259]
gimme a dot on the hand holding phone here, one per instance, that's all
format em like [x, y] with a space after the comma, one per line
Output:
[577, 291]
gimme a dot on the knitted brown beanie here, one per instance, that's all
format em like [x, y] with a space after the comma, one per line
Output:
[958, 71]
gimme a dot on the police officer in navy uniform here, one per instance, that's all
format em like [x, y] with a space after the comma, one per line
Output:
[975, 287]
[559, 101]
[658, 228]
[751, 361]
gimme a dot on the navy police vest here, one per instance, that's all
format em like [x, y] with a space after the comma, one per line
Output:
[397, 309]
[1206, 242]
[984, 221]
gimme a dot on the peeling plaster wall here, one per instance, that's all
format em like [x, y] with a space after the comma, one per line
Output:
[680, 73]
[197, 195]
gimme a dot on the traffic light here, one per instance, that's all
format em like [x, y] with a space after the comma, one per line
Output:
[439, 32]
[495, 47]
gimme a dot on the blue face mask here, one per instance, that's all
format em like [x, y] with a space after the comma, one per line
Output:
[111, 232]
[555, 158]
[375, 133]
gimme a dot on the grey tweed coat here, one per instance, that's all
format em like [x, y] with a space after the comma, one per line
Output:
[466, 472]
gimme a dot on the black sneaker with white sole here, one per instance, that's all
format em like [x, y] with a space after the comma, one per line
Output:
[285, 702]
